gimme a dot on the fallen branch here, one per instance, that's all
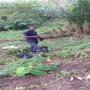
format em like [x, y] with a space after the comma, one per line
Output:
[12, 40]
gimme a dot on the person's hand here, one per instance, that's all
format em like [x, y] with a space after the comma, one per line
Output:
[23, 36]
[40, 38]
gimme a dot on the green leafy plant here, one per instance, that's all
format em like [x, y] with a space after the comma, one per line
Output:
[34, 66]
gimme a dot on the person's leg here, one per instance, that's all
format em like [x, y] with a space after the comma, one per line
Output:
[44, 49]
[33, 46]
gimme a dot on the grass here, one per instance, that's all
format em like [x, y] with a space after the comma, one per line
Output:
[11, 35]
[69, 46]
[47, 26]
[6, 11]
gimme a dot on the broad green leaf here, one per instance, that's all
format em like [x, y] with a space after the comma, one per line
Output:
[38, 72]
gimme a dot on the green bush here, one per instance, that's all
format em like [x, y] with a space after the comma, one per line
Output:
[28, 13]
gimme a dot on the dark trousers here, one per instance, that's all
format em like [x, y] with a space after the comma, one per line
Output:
[33, 46]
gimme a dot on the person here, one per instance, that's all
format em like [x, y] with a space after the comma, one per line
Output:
[32, 37]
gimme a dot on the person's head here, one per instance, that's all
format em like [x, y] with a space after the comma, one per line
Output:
[31, 28]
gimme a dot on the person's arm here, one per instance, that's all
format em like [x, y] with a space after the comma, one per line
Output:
[30, 36]
[35, 36]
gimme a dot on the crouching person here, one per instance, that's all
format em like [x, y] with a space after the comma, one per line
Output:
[32, 38]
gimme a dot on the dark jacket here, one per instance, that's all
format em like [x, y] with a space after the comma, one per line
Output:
[31, 33]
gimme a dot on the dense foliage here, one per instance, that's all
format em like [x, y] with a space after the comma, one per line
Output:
[20, 14]
[80, 12]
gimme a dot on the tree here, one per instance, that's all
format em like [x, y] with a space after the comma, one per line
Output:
[79, 13]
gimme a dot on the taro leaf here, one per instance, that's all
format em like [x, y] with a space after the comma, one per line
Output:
[41, 67]
[9, 69]
[44, 67]
[21, 71]
[38, 72]
[52, 67]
